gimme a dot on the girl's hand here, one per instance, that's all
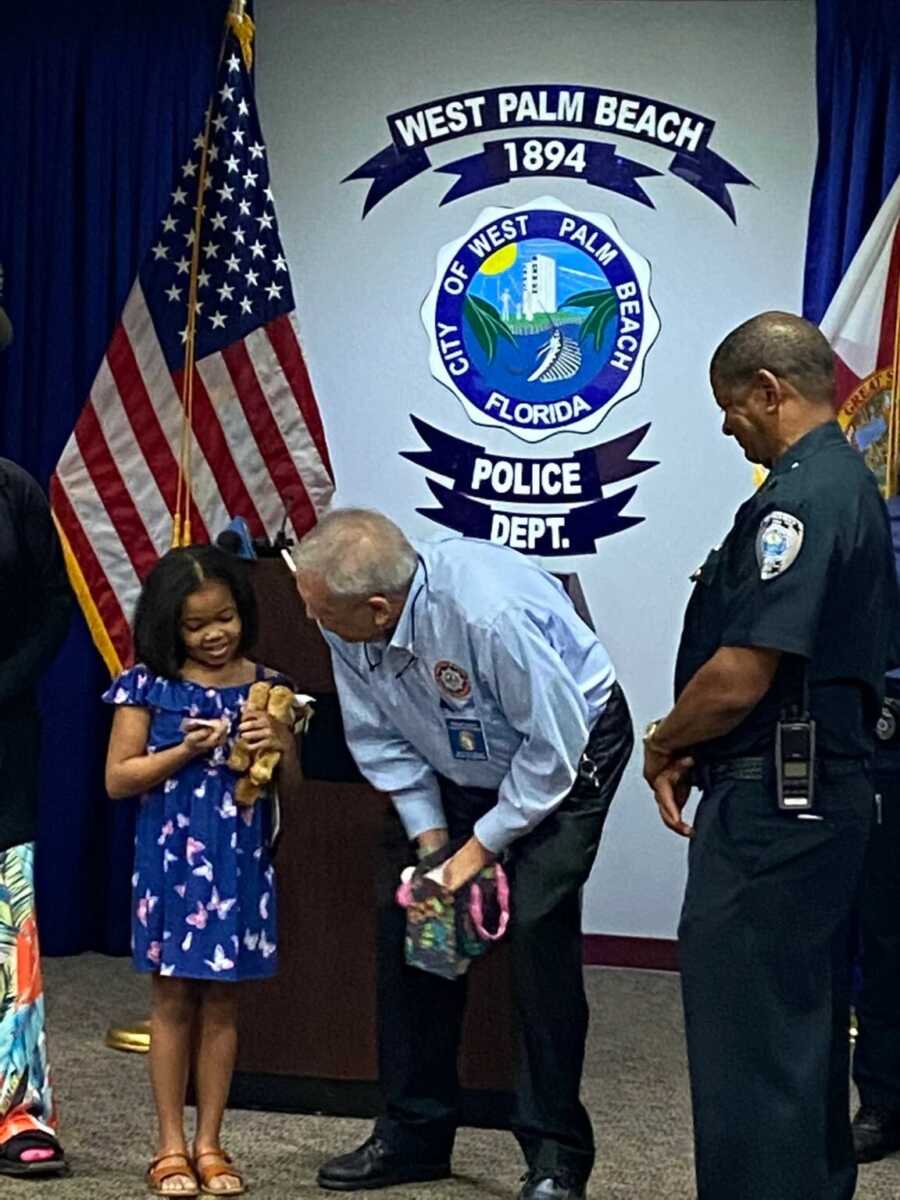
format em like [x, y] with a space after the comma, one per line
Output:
[205, 739]
[262, 732]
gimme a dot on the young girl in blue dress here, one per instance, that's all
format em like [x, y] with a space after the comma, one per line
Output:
[203, 887]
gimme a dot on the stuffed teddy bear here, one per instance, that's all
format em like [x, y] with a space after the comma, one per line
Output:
[256, 769]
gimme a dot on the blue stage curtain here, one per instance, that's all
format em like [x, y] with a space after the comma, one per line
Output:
[100, 104]
[858, 80]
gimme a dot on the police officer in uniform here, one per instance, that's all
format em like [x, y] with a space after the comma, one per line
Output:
[473, 693]
[789, 623]
[876, 1060]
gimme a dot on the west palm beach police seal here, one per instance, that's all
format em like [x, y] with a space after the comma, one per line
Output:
[540, 319]
[778, 542]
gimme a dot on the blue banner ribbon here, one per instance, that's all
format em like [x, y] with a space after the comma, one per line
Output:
[480, 481]
[667, 126]
[573, 478]
[601, 167]
[548, 534]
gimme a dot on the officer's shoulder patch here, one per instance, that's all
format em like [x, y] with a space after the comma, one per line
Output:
[778, 543]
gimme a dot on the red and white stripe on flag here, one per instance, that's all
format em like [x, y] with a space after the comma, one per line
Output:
[861, 325]
[257, 443]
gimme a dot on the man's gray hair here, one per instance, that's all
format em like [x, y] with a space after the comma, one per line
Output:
[358, 553]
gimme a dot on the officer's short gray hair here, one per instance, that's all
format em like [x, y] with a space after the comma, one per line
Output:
[790, 347]
[358, 553]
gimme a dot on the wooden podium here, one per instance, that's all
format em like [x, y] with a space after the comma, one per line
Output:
[307, 1038]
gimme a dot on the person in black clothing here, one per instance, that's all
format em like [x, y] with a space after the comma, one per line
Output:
[876, 1059]
[36, 604]
[792, 616]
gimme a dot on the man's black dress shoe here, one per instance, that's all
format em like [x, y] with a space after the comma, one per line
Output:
[375, 1165]
[560, 1184]
[876, 1132]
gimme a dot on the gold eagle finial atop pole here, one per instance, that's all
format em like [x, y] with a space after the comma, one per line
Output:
[244, 29]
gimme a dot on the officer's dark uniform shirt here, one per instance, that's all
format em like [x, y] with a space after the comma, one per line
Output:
[807, 569]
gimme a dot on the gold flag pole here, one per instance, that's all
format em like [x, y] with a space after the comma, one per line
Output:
[239, 23]
[181, 529]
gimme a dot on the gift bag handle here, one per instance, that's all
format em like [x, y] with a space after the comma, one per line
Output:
[476, 907]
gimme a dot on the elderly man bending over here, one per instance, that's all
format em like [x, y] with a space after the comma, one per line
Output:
[428, 641]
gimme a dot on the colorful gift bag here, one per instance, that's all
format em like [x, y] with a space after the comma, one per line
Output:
[446, 930]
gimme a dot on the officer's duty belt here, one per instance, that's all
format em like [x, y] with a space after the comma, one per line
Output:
[759, 767]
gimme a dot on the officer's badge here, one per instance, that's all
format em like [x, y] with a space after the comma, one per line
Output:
[778, 543]
[886, 726]
[452, 679]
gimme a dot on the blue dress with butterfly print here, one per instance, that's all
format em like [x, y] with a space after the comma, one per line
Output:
[203, 889]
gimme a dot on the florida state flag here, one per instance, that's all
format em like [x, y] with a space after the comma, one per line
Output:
[862, 325]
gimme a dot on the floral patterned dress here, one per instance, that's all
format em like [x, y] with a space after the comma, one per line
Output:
[203, 884]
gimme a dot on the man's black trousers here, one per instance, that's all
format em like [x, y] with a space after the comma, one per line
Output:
[420, 1015]
[876, 1060]
[765, 968]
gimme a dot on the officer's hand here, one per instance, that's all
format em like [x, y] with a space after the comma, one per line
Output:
[671, 789]
[465, 864]
[654, 761]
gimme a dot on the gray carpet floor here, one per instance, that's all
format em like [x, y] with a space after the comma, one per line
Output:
[635, 1087]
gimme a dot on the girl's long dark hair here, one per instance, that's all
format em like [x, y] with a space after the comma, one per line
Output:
[157, 619]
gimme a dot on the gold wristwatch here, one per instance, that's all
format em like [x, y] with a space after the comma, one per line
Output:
[651, 729]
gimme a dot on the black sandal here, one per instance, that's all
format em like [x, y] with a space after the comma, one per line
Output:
[11, 1152]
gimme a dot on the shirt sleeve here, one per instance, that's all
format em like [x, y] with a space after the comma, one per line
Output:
[44, 574]
[543, 702]
[778, 604]
[386, 759]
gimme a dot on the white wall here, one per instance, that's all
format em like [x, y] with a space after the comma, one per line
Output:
[328, 75]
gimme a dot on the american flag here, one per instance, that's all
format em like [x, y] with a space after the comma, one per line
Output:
[257, 446]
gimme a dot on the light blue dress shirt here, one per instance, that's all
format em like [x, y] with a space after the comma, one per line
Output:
[490, 678]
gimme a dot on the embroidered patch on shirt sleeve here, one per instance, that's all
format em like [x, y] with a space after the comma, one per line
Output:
[778, 543]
